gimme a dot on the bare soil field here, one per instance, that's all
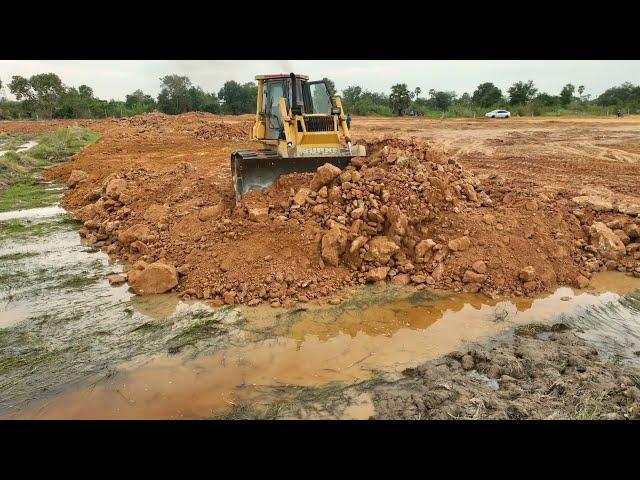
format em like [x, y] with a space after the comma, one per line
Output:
[507, 208]
[513, 206]
[504, 207]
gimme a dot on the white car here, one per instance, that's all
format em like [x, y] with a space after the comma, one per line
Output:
[498, 114]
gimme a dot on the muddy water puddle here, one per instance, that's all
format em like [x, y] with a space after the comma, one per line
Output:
[305, 353]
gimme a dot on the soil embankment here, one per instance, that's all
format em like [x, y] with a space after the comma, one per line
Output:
[156, 192]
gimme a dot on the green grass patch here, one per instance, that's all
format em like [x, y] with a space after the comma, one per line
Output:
[20, 227]
[77, 281]
[57, 146]
[590, 407]
[202, 328]
[26, 192]
[11, 141]
[18, 187]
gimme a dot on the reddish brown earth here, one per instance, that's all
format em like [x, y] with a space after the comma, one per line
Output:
[473, 205]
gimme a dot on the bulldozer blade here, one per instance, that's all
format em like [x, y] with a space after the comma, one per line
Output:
[260, 169]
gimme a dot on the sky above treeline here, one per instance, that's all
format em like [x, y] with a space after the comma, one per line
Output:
[114, 79]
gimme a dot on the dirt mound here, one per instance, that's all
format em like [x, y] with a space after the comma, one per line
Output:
[223, 131]
[543, 377]
[403, 215]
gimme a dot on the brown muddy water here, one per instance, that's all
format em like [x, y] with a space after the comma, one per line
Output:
[71, 346]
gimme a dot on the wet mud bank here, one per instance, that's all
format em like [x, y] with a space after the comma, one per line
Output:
[374, 356]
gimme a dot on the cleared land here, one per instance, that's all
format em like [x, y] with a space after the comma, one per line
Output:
[467, 205]
[455, 204]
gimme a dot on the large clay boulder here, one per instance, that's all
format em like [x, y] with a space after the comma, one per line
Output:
[210, 213]
[381, 248]
[139, 232]
[527, 274]
[93, 211]
[300, 198]
[606, 242]
[157, 213]
[152, 278]
[115, 188]
[598, 204]
[460, 244]
[324, 175]
[334, 243]
[76, 177]
[423, 248]
[629, 207]
[398, 221]
[258, 214]
[377, 274]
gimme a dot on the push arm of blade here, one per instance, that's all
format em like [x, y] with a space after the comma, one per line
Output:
[287, 120]
[343, 121]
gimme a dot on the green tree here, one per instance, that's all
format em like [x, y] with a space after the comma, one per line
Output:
[400, 99]
[350, 97]
[331, 86]
[41, 92]
[85, 91]
[238, 98]
[174, 94]
[566, 95]
[72, 105]
[441, 100]
[521, 93]
[201, 101]
[546, 100]
[487, 95]
[416, 92]
[627, 95]
[465, 99]
[140, 102]
[580, 91]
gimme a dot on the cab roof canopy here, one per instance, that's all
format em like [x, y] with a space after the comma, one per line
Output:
[280, 75]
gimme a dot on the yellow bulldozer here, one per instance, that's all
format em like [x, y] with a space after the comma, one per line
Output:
[298, 123]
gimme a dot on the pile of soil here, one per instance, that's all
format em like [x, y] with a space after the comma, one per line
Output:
[223, 131]
[404, 214]
[542, 375]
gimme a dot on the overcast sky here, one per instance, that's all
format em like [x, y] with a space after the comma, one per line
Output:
[115, 78]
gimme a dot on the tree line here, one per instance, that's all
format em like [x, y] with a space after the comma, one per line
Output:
[45, 96]
[522, 98]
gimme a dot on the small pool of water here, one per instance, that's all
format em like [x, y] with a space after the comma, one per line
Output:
[43, 212]
[379, 330]
[26, 146]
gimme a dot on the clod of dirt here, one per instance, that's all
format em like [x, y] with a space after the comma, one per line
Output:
[76, 177]
[606, 241]
[157, 277]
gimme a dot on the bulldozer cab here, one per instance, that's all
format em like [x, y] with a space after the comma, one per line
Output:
[301, 97]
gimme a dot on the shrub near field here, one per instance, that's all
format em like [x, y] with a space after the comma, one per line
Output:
[18, 187]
